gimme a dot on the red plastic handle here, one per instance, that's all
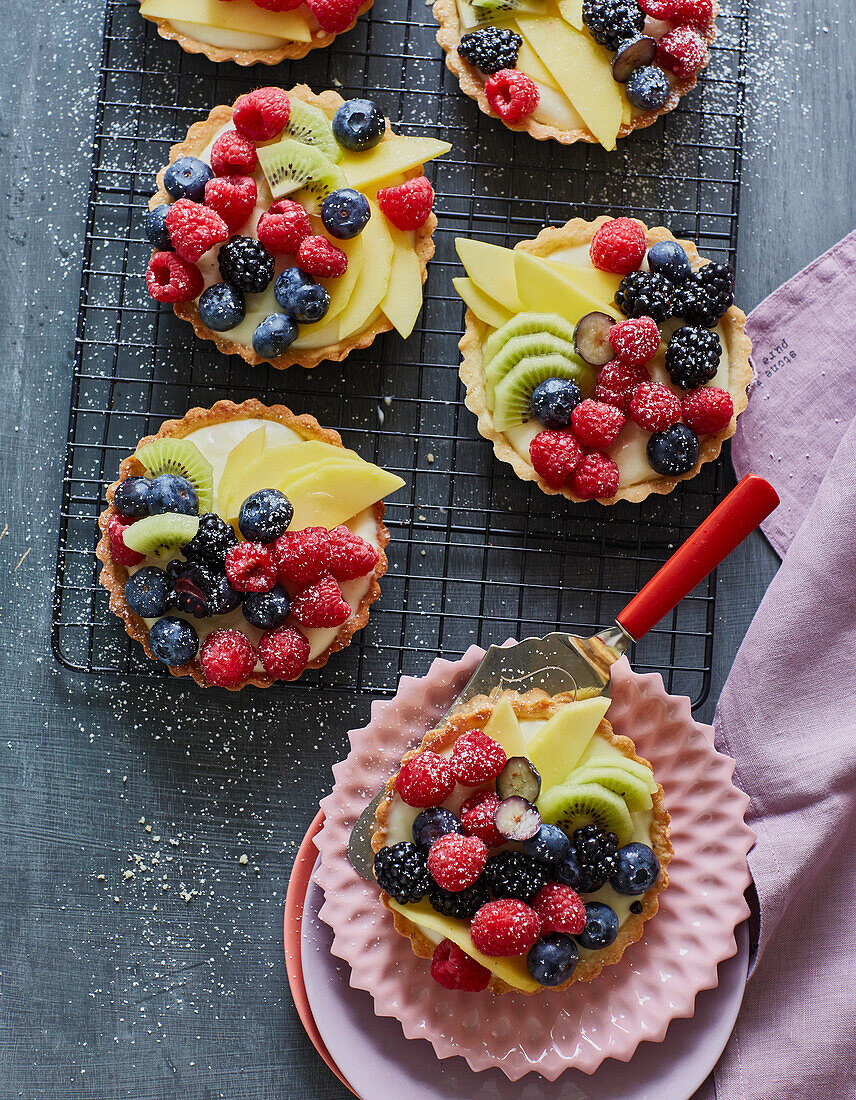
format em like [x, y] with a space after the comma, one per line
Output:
[725, 528]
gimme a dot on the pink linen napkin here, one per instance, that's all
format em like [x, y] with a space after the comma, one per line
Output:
[788, 710]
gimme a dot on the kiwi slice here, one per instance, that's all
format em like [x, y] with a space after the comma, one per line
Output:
[292, 166]
[165, 533]
[521, 347]
[512, 395]
[180, 456]
[629, 787]
[489, 9]
[574, 805]
[641, 771]
[310, 126]
[528, 324]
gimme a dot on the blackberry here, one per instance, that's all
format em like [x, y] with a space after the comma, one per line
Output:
[706, 295]
[246, 264]
[591, 843]
[211, 542]
[692, 357]
[645, 294]
[463, 904]
[402, 870]
[515, 875]
[595, 853]
[636, 907]
[612, 22]
[200, 589]
[491, 49]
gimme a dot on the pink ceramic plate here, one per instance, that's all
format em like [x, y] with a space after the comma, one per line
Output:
[658, 978]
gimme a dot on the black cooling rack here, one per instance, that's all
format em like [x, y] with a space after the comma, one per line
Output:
[476, 556]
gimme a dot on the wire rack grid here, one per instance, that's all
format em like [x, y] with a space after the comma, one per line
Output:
[476, 556]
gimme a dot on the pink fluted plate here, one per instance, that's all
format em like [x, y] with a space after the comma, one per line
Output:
[658, 978]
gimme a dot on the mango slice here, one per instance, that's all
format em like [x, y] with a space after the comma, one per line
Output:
[403, 302]
[241, 456]
[491, 268]
[238, 15]
[599, 285]
[504, 727]
[335, 492]
[556, 748]
[371, 289]
[482, 305]
[392, 155]
[544, 288]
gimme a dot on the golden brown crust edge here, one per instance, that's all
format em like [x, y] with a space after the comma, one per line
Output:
[197, 138]
[535, 704]
[576, 232]
[472, 84]
[114, 576]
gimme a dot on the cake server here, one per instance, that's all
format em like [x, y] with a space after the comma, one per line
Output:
[562, 662]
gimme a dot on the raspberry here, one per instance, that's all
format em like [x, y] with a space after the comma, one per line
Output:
[618, 246]
[512, 95]
[250, 567]
[301, 557]
[425, 780]
[596, 424]
[561, 909]
[478, 818]
[683, 52]
[635, 341]
[707, 410]
[455, 861]
[334, 15]
[506, 927]
[350, 555]
[282, 228]
[453, 968]
[171, 279]
[227, 657]
[317, 257]
[660, 9]
[233, 197]
[596, 476]
[654, 407]
[698, 13]
[284, 652]
[262, 114]
[193, 229]
[119, 552]
[233, 154]
[476, 758]
[555, 455]
[616, 383]
[409, 205]
[278, 5]
[321, 604]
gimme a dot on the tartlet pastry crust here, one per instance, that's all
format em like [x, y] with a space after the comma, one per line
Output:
[573, 233]
[113, 576]
[199, 136]
[536, 704]
[472, 84]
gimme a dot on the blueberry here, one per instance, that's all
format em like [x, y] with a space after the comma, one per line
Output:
[549, 844]
[147, 592]
[674, 451]
[648, 88]
[637, 871]
[601, 927]
[274, 336]
[265, 515]
[345, 213]
[155, 227]
[172, 493]
[553, 401]
[267, 610]
[585, 879]
[132, 497]
[359, 124]
[669, 259]
[288, 285]
[310, 304]
[221, 307]
[552, 959]
[173, 641]
[186, 178]
[434, 823]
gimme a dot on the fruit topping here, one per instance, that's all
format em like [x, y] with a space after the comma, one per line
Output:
[301, 556]
[478, 818]
[515, 875]
[596, 477]
[265, 515]
[246, 264]
[233, 197]
[674, 451]
[321, 604]
[706, 295]
[212, 541]
[186, 177]
[227, 657]
[553, 401]
[612, 22]
[316, 256]
[431, 824]
[591, 338]
[290, 165]
[283, 227]
[669, 258]
[402, 871]
[648, 88]
[170, 279]
[173, 641]
[549, 844]
[425, 780]
[692, 357]
[477, 758]
[284, 652]
[170, 455]
[194, 228]
[200, 590]
[707, 410]
[274, 336]
[601, 927]
[616, 383]
[349, 555]
[155, 228]
[345, 213]
[636, 907]
[512, 95]
[453, 968]
[618, 246]
[310, 126]
[162, 533]
[221, 307]
[530, 324]
[408, 206]
[516, 818]
[660, 9]
[634, 787]
[635, 341]
[334, 16]
[172, 493]
[491, 48]
[233, 155]
[552, 959]
[250, 567]
[147, 592]
[290, 289]
[683, 52]
[631, 55]
[512, 393]
[645, 293]
[267, 610]
[459, 904]
[560, 908]
[596, 424]
[698, 13]
[456, 862]
[262, 114]
[636, 869]
[572, 806]
[505, 928]
[359, 124]
[555, 455]
[519, 777]
[654, 407]
[131, 497]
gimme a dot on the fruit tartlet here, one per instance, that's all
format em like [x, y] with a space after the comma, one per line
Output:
[244, 544]
[251, 32]
[291, 228]
[576, 70]
[604, 360]
[523, 844]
